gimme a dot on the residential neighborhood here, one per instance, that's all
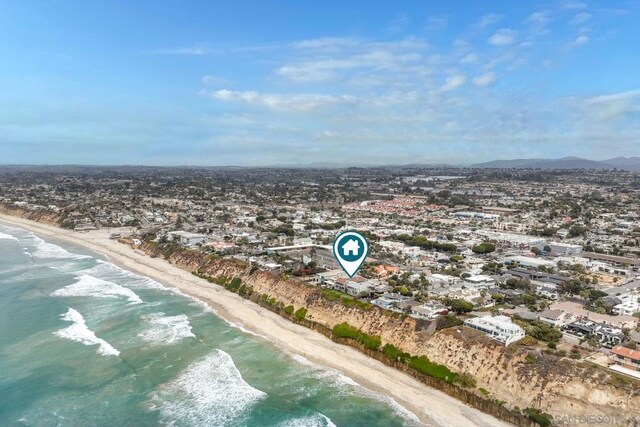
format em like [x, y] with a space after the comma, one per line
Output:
[513, 254]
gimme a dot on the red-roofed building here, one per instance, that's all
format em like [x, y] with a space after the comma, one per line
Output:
[626, 357]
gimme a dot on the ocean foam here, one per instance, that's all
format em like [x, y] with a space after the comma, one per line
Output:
[210, 391]
[79, 332]
[49, 250]
[318, 420]
[166, 329]
[341, 380]
[245, 330]
[108, 269]
[4, 236]
[89, 286]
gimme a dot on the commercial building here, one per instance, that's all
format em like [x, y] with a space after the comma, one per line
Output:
[564, 249]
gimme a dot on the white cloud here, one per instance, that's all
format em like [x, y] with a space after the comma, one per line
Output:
[539, 18]
[214, 80]
[580, 40]
[485, 79]
[503, 37]
[614, 97]
[327, 43]
[454, 82]
[469, 58]
[580, 18]
[574, 5]
[615, 105]
[300, 102]
[194, 50]
[349, 55]
[487, 21]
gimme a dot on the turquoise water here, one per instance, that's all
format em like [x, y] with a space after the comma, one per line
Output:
[83, 342]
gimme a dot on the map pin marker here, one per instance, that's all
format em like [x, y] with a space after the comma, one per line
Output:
[350, 249]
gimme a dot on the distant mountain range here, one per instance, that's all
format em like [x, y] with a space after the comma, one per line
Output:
[571, 162]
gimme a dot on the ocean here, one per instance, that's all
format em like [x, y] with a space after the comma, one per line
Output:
[86, 343]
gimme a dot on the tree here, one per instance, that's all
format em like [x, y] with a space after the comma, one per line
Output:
[484, 248]
[577, 230]
[498, 298]
[459, 305]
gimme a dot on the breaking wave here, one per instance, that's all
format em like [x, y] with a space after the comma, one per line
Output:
[79, 332]
[4, 236]
[318, 420]
[341, 380]
[49, 250]
[166, 329]
[108, 269]
[210, 391]
[89, 286]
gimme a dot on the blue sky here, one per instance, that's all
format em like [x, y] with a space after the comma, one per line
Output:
[279, 82]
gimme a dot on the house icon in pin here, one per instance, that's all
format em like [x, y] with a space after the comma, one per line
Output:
[351, 248]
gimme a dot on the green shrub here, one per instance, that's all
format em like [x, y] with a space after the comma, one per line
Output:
[300, 314]
[484, 248]
[530, 358]
[234, 285]
[289, 310]
[344, 330]
[394, 353]
[466, 380]
[448, 321]
[350, 302]
[459, 305]
[541, 418]
[423, 365]
[331, 295]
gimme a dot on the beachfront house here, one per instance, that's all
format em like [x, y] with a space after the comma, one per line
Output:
[625, 357]
[500, 328]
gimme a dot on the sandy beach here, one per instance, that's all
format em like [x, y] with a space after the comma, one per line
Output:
[429, 405]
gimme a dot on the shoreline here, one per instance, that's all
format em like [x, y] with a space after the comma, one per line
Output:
[431, 406]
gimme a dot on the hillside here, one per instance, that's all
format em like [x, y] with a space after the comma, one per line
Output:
[571, 162]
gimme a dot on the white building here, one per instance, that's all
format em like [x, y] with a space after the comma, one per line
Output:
[527, 261]
[629, 305]
[477, 215]
[389, 300]
[479, 282]
[443, 280]
[429, 310]
[564, 249]
[187, 239]
[546, 290]
[556, 317]
[510, 239]
[500, 328]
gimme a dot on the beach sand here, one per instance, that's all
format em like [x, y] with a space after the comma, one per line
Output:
[431, 406]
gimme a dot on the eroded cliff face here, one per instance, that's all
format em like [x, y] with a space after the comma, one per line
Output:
[559, 386]
[50, 218]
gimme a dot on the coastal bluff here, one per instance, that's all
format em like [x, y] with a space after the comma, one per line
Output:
[568, 390]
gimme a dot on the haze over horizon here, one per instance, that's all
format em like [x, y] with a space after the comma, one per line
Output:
[282, 83]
